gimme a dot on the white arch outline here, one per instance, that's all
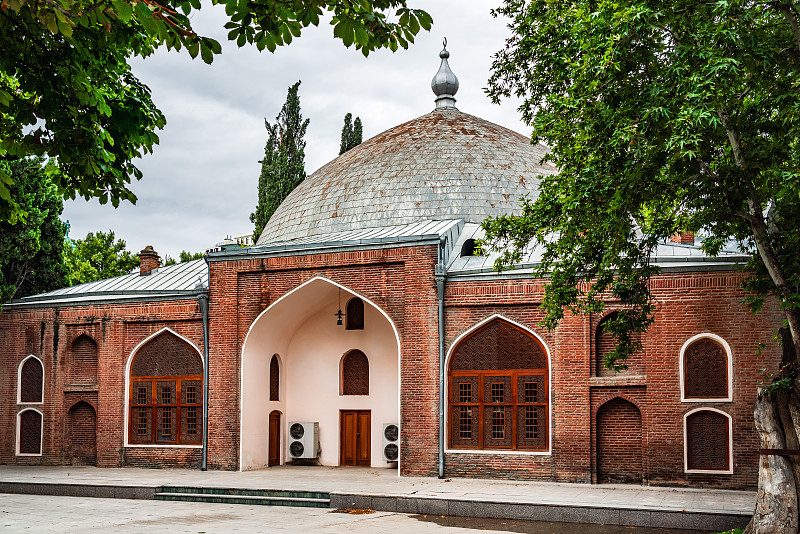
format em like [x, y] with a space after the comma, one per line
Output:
[19, 381]
[729, 357]
[41, 431]
[686, 469]
[450, 351]
[281, 298]
[126, 406]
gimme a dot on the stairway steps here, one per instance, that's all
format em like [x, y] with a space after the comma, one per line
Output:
[244, 496]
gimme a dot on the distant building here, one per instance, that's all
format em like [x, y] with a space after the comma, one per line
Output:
[242, 240]
[362, 308]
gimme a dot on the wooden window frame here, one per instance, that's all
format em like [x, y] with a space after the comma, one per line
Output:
[155, 404]
[518, 414]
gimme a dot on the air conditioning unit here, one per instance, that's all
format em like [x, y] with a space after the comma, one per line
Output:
[303, 440]
[391, 442]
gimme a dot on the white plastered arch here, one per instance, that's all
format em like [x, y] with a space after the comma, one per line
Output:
[127, 409]
[686, 469]
[450, 352]
[19, 381]
[347, 294]
[729, 369]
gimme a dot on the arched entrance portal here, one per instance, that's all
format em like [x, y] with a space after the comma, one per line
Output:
[300, 329]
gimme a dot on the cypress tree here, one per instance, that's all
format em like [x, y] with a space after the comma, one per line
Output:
[351, 133]
[283, 166]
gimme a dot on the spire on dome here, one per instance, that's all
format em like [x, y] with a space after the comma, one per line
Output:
[445, 83]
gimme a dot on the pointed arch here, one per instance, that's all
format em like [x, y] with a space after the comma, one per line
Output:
[82, 433]
[30, 432]
[354, 374]
[83, 360]
[618, 442]
[164, 409]
[355, 314]
[30, 381]
[275, 378]
[706, 369]
[707, 441]
[499, 403]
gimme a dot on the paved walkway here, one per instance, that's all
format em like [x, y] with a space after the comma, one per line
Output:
[382, 489]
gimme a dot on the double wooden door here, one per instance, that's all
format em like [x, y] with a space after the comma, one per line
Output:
[354, 436]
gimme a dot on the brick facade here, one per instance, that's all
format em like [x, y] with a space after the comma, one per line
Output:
[601, 425]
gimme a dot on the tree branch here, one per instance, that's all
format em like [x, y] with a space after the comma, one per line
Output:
[787, 10]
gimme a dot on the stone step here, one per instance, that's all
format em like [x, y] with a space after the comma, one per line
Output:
[244, 496]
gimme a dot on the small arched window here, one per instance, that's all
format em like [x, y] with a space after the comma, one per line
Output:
[604, 343]
[706, 368]
[355, 314]
[29, 432]
[470, 248]
[31, 380]
[166, 394]
[355, 373]
[274, 379]
[707, 441]
[84, 360]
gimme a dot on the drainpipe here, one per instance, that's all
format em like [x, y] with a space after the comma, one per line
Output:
[440, 273]
[202, 299]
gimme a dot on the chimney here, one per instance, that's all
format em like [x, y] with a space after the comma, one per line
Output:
[684, 238]
[148, 260]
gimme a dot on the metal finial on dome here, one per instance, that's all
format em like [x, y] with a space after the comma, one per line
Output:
[445, 83]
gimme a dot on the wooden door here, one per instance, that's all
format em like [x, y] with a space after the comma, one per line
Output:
[274, 438]
[354, 436]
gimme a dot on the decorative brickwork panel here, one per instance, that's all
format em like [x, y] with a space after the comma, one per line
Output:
[466, 389]
[82, 433]
[619, 442]
[497, 389]
[355, 314]
[166, 422]
[166, 355]
[191, 424]
[141, 425]
[274, 379]
[532, 427]
[497, 421]
[31, 379]
[83, 369]
[707, 441]
[531, 389]
[705, 369]
[30, 432]
[499, 345]
[166, 411]
[355, 374]
[605, 342]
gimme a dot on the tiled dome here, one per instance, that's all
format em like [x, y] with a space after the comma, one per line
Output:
[443, 165]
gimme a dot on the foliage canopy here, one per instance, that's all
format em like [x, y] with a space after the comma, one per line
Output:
[97, 257]
[662, 117]
[351, 133]
[31, 251]
[67, 91]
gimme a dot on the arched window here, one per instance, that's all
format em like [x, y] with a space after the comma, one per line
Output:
[705, 362]
[29, 432]
[604, 343]
[84, 360]
[274, 379]
[355, 314]
[469, 248]
[166, 397]
[31, 381]
[355, 373]
[499, 390]
[707, 441]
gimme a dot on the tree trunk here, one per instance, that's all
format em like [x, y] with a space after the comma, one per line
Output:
[776, 502]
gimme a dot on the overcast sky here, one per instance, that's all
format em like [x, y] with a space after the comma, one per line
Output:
[200, 183]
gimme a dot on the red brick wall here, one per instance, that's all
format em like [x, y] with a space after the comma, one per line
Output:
[83, 360]
[81, 435]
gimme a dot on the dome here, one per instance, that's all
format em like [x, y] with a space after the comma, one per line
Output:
[443, 165]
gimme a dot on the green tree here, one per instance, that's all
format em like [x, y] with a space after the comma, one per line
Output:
[283, 166]
[183, 257]
[31, 251]
[97, 257]
[351, 133]
[662, 117]
[67, 91]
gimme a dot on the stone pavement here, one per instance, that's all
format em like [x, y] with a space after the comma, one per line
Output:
[382, 489]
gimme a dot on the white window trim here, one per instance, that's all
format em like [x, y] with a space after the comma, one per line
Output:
[41, 432]
[729, 357]
[19, 381]
[686, 469]
[126, 415]
[504, 452]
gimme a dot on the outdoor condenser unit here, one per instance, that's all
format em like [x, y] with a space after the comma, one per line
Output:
[303, 440]
[391, 441]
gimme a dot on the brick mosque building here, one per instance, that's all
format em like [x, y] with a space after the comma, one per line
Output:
[364, 309]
